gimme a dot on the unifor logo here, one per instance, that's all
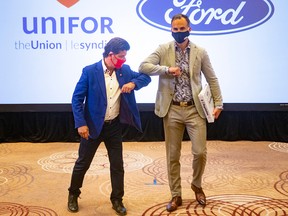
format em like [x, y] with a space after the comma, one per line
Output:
[68, 3]
[208, 17]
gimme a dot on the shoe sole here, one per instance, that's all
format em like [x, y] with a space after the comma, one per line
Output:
[72, 210]
[119, 213]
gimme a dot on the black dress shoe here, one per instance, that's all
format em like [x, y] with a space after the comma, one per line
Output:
[174, 203]
[73, 203]
[119, 207]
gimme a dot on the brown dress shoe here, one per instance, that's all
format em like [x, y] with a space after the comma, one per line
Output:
[199, 194]
[174, 203]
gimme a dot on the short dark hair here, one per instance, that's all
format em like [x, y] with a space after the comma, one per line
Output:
[115, 45]
[179, 16]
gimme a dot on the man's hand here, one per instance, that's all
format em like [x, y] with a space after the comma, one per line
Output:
[174, 71]
[128, 87]
[83, 131]
[217, 112]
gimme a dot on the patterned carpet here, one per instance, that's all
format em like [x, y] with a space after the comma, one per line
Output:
[242, 178]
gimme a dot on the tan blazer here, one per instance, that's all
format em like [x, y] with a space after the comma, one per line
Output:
[164, 56]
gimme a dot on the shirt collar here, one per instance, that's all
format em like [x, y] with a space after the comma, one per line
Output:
[104, 66]
[177, 47]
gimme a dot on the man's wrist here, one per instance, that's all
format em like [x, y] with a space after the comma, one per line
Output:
[167, 70]
[220, 107]
[133, 83]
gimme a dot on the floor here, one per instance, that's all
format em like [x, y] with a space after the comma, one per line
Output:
[242, 178]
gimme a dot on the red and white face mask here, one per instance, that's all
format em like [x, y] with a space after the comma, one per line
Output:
[119, 62]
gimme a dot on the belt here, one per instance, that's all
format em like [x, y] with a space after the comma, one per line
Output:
[183, 103]
[111, 121]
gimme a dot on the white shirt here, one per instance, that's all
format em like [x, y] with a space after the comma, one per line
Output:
[113, 94]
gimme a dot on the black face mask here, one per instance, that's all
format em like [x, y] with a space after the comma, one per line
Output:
[180, 36]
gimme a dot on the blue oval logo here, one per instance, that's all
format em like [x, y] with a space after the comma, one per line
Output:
[212, 17]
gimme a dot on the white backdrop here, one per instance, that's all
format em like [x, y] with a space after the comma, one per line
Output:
[251, 64]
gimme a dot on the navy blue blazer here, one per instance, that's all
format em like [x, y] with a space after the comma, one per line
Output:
[91, 89]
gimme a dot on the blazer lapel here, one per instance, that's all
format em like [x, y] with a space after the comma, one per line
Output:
[99, 73]
[193, 54]
[171, 53]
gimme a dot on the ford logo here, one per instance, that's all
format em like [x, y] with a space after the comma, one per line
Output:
[208, 17]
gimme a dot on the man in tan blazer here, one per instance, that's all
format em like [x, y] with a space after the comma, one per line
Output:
[180, 65]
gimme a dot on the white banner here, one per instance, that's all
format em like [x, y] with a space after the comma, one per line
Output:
[45, 44]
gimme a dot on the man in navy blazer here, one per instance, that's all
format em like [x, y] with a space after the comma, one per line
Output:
[103, 99]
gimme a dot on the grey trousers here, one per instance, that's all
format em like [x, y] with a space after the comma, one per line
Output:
[174, 126]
